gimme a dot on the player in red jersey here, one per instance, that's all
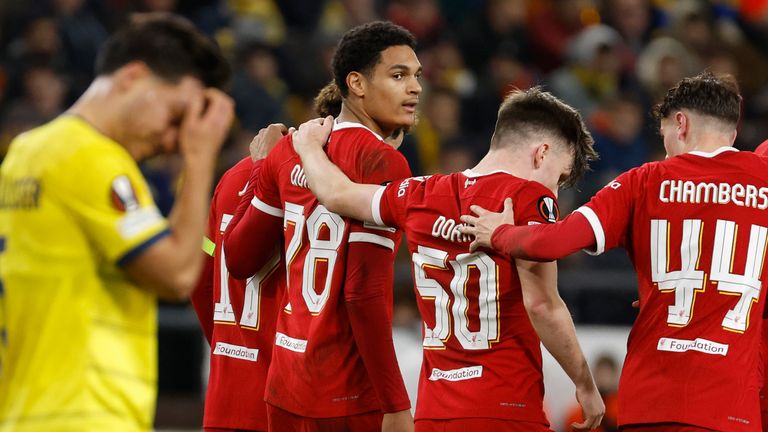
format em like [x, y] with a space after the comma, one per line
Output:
[762, 150]
[482, 359]
[334, 366]
[695, 227]
[238, 316]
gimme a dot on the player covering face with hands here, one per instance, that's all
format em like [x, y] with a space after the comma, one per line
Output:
[481, 311]
[696, 229]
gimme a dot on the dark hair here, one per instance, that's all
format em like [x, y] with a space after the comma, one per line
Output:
[169, 45]
[533, 111]
[707, 94]
[359, 50]
[328, 101]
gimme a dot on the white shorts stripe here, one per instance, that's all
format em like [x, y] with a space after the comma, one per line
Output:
[362, 237]
[376, 206]
[266, 208]
[597, 228]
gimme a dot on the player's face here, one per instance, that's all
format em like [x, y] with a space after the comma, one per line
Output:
[155, 113]
[392, 89]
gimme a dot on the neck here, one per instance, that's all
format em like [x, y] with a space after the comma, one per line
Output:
[354, 112]
[709, 141]
[503, 160]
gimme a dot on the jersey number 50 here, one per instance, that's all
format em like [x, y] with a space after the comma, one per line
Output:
[487, 300]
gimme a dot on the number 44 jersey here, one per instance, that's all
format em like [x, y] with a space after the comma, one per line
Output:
[482, 357]
[696, 228]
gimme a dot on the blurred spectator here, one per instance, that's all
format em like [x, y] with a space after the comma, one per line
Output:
[420, 17]
[662, 63]
[81, 34]
[259, 92]
[444, 67]
[500, 26]
[617, 127]
[592, 73]
[43, 99]
[439, 128]
[552, 28]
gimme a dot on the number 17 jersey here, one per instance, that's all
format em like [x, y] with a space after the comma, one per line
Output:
[482, 357]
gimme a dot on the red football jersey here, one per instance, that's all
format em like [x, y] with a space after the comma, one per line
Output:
[695, 227]
[482, 357]
[244, 316]
[316, 368]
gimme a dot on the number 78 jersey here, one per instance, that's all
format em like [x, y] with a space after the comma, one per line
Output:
[482, 357]
[696, 229]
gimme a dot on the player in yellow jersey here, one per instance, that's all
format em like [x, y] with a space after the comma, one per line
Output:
[85, 252]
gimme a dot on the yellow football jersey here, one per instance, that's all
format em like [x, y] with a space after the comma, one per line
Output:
[79, 350]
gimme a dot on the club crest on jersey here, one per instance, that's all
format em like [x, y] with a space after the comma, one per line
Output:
[548, 209]
[123, 195]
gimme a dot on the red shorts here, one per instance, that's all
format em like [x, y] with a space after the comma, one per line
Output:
[478, 424]
[283, 421]
[663, 427]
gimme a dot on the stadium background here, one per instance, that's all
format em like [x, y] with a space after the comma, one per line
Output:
[611, 59]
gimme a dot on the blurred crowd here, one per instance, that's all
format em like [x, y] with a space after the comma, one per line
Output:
[611, 59]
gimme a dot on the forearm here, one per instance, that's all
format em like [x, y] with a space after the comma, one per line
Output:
[171, 267]
[555, 328]
[551, 318]
[544, 242]
[368, 279]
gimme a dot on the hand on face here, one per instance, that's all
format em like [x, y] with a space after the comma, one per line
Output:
[312, 134]
[204, 128]
[485, 223]
[266, 139]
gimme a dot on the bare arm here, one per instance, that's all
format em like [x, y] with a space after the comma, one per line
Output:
[171, 266]
[552, 321]
[332, 187]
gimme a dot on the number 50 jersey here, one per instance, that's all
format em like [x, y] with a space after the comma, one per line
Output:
[482, 357]
[696, 228]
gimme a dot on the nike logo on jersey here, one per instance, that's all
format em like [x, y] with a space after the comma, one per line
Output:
[242, 192]
[469, 182]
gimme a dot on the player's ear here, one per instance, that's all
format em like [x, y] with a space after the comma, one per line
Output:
[125, 76]
[682, 125]
[541, 152]
[356, 84]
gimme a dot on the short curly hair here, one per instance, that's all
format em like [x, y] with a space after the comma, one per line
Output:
[359, 50]
[707, 94]
[528, 112]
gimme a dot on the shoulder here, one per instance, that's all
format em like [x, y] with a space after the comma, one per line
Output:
[235, 177]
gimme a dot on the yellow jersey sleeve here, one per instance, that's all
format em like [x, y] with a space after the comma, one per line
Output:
[110, 200]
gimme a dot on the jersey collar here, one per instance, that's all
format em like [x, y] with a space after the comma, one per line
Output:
[349, 124]
[712, 154]
[469, 173]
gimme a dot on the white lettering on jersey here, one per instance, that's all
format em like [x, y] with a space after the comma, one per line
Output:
[403, 186]
[287, 342]
[298, 178]
[690, 192]
[448, 229]
[699, 344]
[469, 182]
[236, 351]
[462, 374]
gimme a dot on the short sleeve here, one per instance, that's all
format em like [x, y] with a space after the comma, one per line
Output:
[535, 204]
[390, 203]
[111, 200]
[389, 165]
[266, 196]
[609, 211]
